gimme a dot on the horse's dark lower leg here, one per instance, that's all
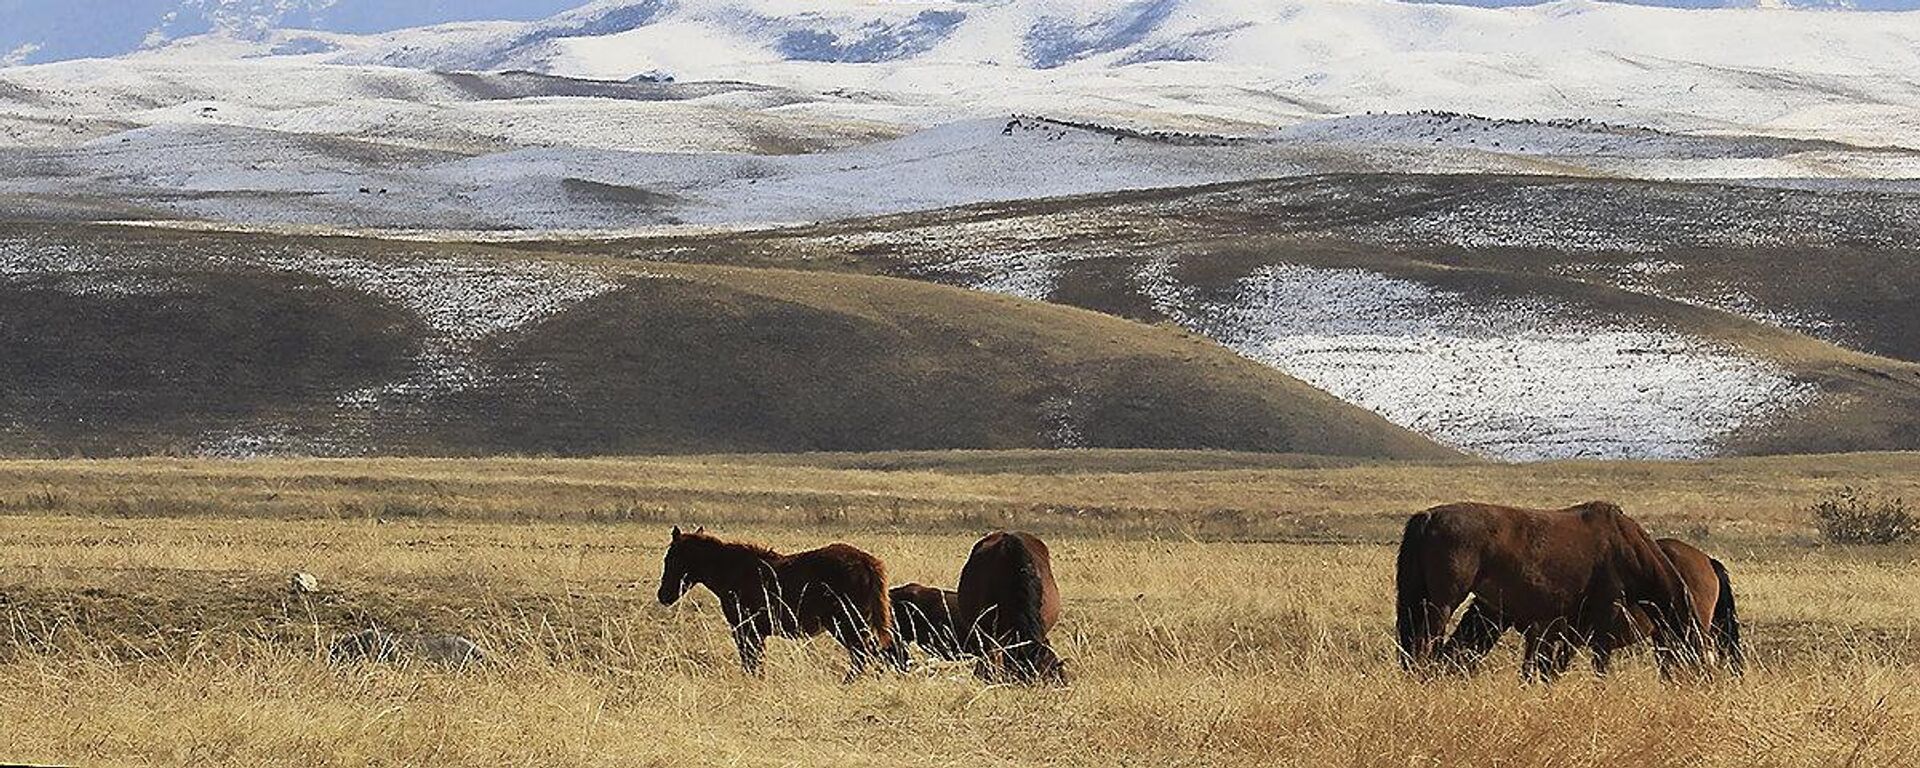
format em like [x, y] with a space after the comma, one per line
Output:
[1547, 656]
[1559, 657]
[992, 666]
[1671, 654]
[861, 643]
[1530, 656]
[895, 655]
[1425, 638]
[1602, 658]
[992, 662]
[1476, 635]
[752, 646]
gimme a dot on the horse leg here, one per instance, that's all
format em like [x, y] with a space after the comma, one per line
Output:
[1548, 655]
[752, 647]
[1611, 627]
[856, 664]
[1530, 656]
[896, 655]
[1473, 638]
[1602, 656]
[1670, 654]
[850, 629]
[1559, 657]
[1423, 616]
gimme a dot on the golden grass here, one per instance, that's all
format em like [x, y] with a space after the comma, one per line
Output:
[1205, 495]
[166, 639]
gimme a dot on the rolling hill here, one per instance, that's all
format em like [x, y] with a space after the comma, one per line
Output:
[747, 164]
[128, 341]
[1515, 317]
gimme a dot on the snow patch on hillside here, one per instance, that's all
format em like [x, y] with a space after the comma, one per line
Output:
[56, 267]
[1643, 276]
[463, 301]
[1026, 275]
[1510, 378]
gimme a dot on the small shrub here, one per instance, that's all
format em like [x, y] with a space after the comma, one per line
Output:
[1853, 516]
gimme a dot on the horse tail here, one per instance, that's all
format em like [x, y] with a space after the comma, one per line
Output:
[1026, 623]
[1726, 621]
[879, 609]
[1411, 593]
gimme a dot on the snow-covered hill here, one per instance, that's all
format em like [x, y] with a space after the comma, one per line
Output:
[39, 31]
[1225, 64]
[565, 164]
[1221, 66]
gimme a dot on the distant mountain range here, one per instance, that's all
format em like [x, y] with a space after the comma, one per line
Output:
[36, 31]
[888, 66]
[39, 31]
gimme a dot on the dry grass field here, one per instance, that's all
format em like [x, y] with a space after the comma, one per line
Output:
[1221, 610]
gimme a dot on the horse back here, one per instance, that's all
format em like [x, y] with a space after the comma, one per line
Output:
[1532, 564]
[818, 583]
[931, 601]
[1007, 585]
[1499, 534]
[834, 563]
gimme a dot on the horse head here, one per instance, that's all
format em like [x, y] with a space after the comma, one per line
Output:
[682, 567]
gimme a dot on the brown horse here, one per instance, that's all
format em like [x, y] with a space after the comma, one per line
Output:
[836, 589]
[923, 615]
[1007, 604]
[1713, 605]
[1556, 575]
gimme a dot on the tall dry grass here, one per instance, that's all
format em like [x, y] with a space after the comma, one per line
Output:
[169, 639]
[1186, 652]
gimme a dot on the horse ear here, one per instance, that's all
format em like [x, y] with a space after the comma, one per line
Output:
[676, 533]
[699, 529]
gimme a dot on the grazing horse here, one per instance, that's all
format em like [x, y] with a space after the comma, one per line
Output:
[1555, 575]
[836, 589]
[1713, 605]
[923, 616]
[1006, 605]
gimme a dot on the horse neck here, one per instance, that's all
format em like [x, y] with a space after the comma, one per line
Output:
[732, 562]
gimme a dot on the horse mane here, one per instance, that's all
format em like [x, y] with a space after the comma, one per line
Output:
[756, 551]
[1598, 507]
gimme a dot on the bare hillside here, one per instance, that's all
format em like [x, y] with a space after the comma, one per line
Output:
[134, 340]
